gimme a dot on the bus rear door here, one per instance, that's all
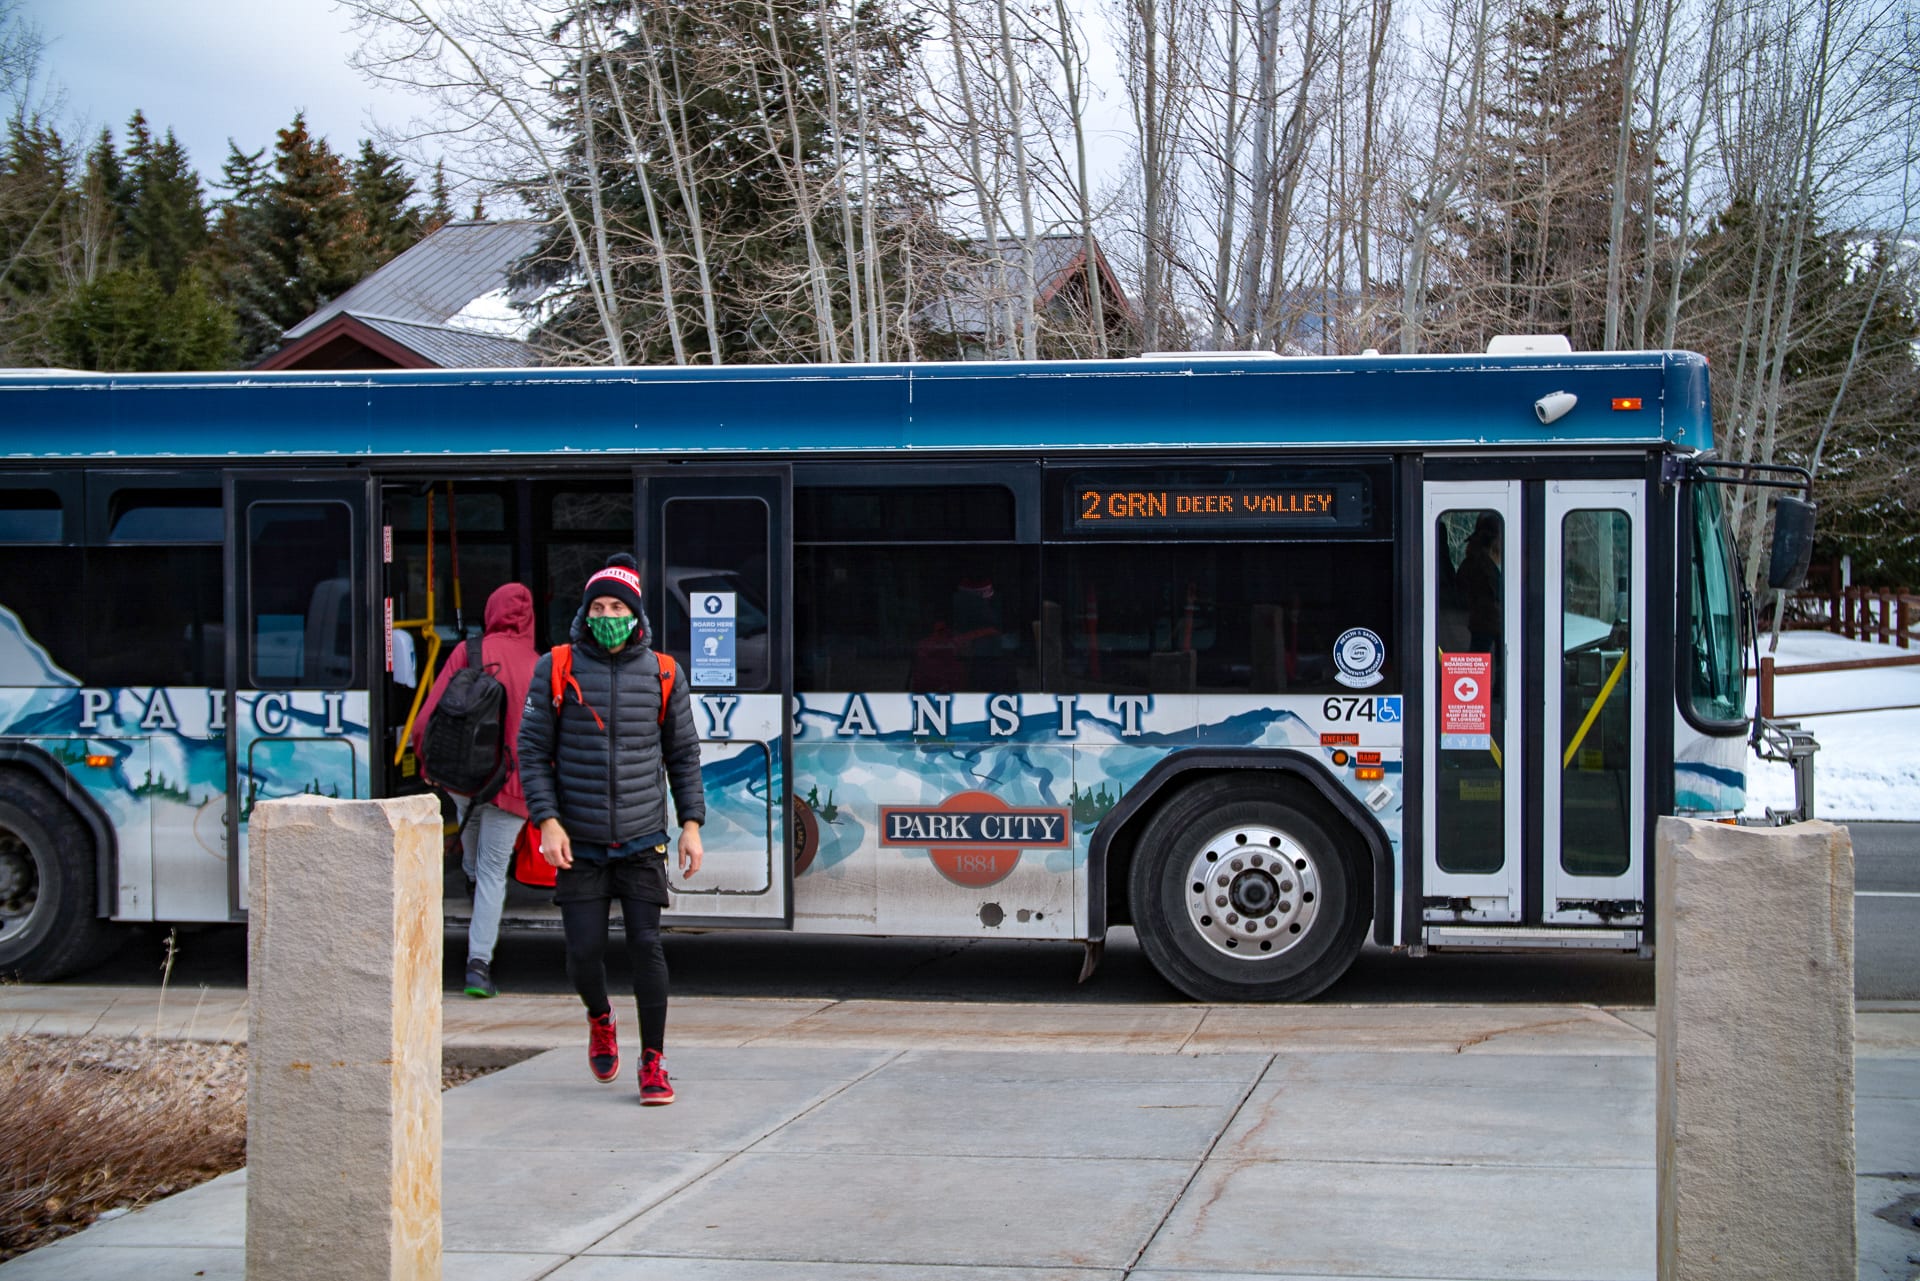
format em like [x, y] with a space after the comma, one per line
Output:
[716, 554]
[296, 707]
[1535, 740]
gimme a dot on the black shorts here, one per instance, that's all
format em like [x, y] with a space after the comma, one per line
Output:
[635, 876]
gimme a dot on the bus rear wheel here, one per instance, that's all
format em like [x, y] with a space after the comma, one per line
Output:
[48, 924]
[1241, 892]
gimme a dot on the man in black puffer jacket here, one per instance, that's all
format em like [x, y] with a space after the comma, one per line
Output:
[591, 766]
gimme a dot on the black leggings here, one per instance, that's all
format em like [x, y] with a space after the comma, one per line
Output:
[586, 927]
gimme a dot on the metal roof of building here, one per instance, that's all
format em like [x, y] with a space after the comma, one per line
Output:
[437, 278]
[451, 348]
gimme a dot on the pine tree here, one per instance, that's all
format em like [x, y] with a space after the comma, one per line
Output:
[36, 203]
[745, 81]
[384, 192]
[291, 236]
[165, 213]
[440, 212]
[1533, 234]
[128, 320]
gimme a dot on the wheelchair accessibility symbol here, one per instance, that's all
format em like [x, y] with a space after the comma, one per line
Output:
[1386, 709]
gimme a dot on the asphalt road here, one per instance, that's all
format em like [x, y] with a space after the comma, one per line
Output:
[771, 964]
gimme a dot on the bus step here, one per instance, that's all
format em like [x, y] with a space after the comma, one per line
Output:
[1469, 938]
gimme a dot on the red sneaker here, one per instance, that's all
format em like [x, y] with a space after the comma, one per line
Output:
[603, 1047]
[655, 1088]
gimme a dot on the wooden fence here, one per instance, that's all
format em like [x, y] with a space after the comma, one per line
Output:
[1888, 615]
[1768, 671]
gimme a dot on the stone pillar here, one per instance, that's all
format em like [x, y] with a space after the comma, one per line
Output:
[1753, 985]
[343, 1040]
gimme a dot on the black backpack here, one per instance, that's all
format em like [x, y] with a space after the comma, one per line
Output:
[466, 748]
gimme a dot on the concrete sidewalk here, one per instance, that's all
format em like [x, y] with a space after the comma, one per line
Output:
[993, 1142]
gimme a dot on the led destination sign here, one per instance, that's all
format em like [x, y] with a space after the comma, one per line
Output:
[1215, 506]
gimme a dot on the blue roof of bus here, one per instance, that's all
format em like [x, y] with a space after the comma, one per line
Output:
[1163, 403]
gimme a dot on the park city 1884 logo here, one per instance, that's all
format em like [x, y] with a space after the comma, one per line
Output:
[974, 838]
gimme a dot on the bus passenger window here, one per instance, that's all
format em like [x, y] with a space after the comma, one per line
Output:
[300, 599]
[715, 546]
[1211, 618]
[30, 516]
[1596, 718]
[1470, 626]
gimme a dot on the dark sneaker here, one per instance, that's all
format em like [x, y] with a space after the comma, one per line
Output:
[603, 1047]
[655, 1088]
[480, 979]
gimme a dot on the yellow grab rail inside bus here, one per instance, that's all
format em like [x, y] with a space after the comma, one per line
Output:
[1593, 713]
[424, 672]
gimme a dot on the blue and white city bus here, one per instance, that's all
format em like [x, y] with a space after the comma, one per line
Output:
[1256, 655]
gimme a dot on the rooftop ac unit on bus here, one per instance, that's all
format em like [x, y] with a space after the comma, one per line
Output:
[1529, 345]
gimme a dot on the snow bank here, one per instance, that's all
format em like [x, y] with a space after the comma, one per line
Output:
[1868, 766]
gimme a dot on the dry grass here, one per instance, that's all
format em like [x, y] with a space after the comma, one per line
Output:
[88, 1124]
[92, 1124]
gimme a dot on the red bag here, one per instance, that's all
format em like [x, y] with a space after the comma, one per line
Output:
[529, 867]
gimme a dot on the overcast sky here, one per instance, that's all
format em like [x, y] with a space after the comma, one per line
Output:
[210, 70]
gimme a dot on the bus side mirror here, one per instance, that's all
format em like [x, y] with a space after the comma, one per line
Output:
[1792, 543]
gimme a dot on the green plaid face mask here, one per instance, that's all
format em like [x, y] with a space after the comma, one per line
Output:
[612, 630]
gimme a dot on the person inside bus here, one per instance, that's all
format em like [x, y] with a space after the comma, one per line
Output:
[1480, 584]
[1482, 587]
[486, 840]
[592, 761]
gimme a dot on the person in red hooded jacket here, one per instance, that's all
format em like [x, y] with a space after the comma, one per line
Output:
[507, 650]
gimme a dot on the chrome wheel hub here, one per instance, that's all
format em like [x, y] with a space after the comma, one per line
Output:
[19, 884]
[1252, 891]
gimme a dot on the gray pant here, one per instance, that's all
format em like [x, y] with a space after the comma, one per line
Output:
[485, 855]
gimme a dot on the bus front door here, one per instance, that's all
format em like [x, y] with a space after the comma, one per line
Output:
[716, 562]
[1535, 751]
[295, 703]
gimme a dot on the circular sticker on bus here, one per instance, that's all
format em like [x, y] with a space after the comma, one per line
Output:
[1359, 654]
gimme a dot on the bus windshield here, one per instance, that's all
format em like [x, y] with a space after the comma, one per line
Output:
[1716, 682]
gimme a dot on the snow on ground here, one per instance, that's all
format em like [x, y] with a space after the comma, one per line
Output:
[1868, 766]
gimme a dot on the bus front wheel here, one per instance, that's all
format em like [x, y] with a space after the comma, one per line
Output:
[1241, 892]
[48, 924]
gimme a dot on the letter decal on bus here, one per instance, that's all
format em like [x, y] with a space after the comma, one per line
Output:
[270, 714]
[1068, 703]
[857, 719]
[1003, 716]
[719, 710]
[159, 713]
[974, 838]
[931, 713]
[336, 703]
[1128, 707]
[216, 711]
[92, 703]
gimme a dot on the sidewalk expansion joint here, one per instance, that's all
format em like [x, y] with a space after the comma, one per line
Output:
[711, 1170]
[1193, 1174]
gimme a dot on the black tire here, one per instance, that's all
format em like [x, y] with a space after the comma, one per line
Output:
[49, 927]
[1257, 845]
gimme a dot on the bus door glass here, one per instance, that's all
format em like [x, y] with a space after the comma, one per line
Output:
[1594, 736]
[1475, 648]
[297, 645]
[716, 565]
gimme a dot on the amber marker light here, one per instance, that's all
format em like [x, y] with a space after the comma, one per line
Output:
[1368, 773]
[1626, 402]
[99, 762]
[1339, 757]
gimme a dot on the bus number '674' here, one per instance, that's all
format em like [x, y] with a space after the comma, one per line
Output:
[1384, 709]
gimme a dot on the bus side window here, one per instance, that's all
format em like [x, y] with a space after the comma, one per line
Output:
[300, 595]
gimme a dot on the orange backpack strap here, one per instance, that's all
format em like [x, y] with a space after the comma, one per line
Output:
[562, 672]
[668, 670]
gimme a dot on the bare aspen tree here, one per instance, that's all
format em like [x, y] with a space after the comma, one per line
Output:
[1623, 156]
[480, 67]
[1070, 53]
[1456, 127]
